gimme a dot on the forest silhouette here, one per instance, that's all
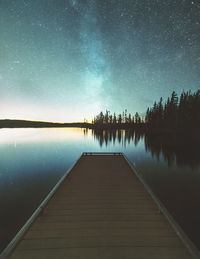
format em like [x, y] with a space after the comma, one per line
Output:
[170, 129]
[175, 114]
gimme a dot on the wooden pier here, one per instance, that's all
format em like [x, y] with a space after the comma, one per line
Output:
[101, 209]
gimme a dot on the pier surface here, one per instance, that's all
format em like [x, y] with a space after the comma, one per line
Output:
[101, 210]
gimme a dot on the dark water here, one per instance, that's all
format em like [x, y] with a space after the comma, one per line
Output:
[33, 160]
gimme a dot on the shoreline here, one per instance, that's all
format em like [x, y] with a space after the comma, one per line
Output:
[141, 127]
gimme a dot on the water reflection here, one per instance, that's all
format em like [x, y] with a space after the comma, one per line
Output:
[33, 160]
[123, 137]
[39, 135]
[175, 149]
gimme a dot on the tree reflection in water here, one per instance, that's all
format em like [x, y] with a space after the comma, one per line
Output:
[174, 148]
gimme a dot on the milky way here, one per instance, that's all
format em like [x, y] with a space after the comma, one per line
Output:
[69, 59]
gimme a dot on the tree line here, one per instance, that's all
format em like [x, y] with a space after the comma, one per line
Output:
[121, 118]
[176, 113]
[173, 114]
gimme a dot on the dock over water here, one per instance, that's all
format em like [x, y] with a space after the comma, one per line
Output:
[101, 209]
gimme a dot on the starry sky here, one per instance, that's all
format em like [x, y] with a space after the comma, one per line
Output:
[66, 60]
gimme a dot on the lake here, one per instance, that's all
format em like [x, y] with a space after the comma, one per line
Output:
[33, 160]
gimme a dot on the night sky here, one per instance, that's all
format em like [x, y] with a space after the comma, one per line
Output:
[66, 60]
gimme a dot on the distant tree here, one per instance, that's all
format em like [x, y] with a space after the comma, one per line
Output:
[114, 118]
[101, 118]
[119, 120]
[106, 117]
[133, 120]
[129, 118]
[148, 116]
[137, 118]
[125, 116]
[110, 119]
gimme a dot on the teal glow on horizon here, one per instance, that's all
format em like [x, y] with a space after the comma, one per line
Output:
[67, 60]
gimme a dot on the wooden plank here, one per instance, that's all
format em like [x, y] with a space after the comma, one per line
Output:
[103, 253]
[97, 241]
[112, 225]
[101, 217]
[107, 211]
[101, 210]
[136, 232]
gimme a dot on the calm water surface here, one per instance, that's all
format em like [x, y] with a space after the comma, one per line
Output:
[33, 160]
